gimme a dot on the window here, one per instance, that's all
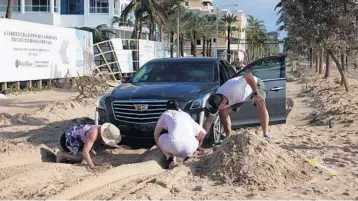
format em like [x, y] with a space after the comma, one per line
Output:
[224, 75]
[198, 42]
[267, 69]
[72, 7]
[176, 72]
[214, 40]
[187, 3]
[99, 6]
[38, 6]
[230, 69]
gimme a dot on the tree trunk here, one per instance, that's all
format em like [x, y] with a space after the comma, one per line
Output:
[192, 47]
[317, 62]
[343, 77]
[9, 9]
[150, 31]
[342, 60]
[328, 67]
[311, 58]
[140, 30]
[210, 49]
[135, 30]
[182, 45]
[204, 44]
[343, 64]
[347, 62]
[194, 35]
[320, 60]
[172, 44]
[228, 44]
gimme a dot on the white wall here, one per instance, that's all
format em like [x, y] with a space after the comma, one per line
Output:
[43, 18]
[72, 20]
[95, 19]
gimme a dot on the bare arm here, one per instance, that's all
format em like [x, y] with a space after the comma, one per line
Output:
[157, 132]
[91, 138]
[251, 81]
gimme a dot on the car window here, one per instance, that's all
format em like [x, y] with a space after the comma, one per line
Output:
[176, 72]
[224, 76]
[271, 68]
[230, 69]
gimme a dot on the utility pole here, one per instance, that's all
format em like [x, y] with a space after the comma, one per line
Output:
[217, 32]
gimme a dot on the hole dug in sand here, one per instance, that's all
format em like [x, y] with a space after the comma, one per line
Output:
[246, 159]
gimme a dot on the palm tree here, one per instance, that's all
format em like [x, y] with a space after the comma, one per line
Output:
[256, 35]
[191, 29]
[9, 9]
[99, 34]
[229, 19]
[152, 9]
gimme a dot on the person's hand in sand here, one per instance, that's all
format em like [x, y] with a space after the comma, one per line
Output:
[231, 95]
[77, 142]
[183, 137]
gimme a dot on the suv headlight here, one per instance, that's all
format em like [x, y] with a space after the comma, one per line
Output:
[101, 101]
[200, 102]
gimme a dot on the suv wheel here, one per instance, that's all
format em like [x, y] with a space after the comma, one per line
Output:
[216, 132]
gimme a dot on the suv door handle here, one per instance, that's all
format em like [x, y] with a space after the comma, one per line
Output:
[276, 88]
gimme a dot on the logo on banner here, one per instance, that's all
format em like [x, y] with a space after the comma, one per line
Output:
[19, 63]
[63, 52]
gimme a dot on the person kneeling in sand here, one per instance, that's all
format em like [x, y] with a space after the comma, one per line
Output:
[184, 134]
[77, 142]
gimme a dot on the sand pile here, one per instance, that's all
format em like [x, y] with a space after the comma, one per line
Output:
[247, 159]
[58, 110]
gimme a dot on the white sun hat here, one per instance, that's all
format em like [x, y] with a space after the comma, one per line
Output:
[111, 135]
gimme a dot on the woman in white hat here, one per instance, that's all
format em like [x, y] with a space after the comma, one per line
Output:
[77, 142]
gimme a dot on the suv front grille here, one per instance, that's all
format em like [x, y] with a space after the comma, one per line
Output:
[138, 112]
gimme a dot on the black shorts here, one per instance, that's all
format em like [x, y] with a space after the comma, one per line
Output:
[63, 143]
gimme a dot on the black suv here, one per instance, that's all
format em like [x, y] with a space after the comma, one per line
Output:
[136, 105]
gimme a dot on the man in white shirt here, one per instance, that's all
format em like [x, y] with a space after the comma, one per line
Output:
[231, 95]
[184, 134]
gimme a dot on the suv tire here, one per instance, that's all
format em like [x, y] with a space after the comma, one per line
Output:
[216, 133]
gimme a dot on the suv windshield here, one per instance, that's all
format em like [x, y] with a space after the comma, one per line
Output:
[176, 72]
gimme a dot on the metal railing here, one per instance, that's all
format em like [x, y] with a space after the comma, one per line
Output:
[99, 9]
[37, 8]
[15, 8]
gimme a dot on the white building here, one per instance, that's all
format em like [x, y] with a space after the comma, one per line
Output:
[69, 13]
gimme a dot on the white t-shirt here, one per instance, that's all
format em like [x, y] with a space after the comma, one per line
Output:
[182, 129]
[236, 90]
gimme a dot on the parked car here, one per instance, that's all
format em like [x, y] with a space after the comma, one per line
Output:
[136, 105]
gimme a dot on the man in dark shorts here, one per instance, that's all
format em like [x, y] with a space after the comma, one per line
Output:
[231, 95]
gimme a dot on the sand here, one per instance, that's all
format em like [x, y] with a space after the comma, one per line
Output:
[321, 125]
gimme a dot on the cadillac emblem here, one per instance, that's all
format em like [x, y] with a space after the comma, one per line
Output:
[141, 107]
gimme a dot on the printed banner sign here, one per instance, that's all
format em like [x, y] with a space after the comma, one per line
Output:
[31, 51]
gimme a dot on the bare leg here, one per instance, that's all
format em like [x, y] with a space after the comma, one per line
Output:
[226, 121]
[264, 118]
[209, 122]
[63, 156]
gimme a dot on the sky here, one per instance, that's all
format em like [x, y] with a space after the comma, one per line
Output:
[261, 9]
